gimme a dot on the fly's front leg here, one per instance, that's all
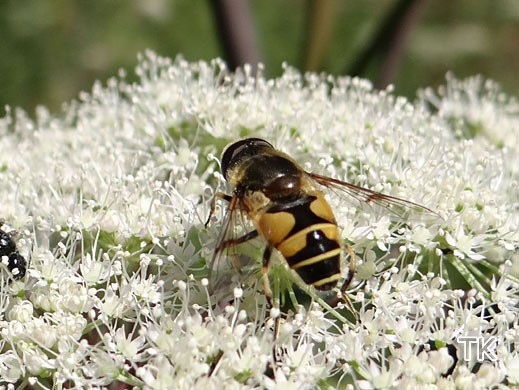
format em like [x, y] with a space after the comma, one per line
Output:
[219, 195]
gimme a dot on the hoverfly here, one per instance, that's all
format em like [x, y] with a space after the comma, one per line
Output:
[287, 208]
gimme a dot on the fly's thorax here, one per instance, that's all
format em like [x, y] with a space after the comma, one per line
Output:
[236, 153]
[284, 188]
[268, 168]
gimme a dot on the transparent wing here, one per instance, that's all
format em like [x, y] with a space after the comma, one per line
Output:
[375, 202]
[228, 263]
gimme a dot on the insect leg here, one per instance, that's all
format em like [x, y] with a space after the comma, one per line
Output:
[236, 241]
[347, 282]
[264, 273]
[215, 363]
[219, 195]
[268, 294]
[351, 272]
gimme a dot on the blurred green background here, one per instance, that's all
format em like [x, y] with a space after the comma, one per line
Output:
[51, 50]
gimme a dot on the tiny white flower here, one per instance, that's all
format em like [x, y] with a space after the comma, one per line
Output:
[11, 368]
[21, 312]
[35, 360]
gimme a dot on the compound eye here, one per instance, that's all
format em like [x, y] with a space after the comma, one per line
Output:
[232, 151]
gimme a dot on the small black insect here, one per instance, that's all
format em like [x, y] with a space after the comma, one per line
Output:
[16, 263]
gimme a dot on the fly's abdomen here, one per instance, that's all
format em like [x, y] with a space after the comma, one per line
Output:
[307, 236]
[314, 253]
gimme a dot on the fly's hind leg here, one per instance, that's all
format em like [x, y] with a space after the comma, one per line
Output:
[347, 282]
[270, 300]
[351, 272]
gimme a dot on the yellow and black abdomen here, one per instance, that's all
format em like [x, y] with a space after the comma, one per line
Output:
[305, 232]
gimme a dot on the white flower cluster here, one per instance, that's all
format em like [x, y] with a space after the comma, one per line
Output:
[110, 200]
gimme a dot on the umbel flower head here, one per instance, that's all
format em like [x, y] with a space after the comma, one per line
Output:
[109, 201]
